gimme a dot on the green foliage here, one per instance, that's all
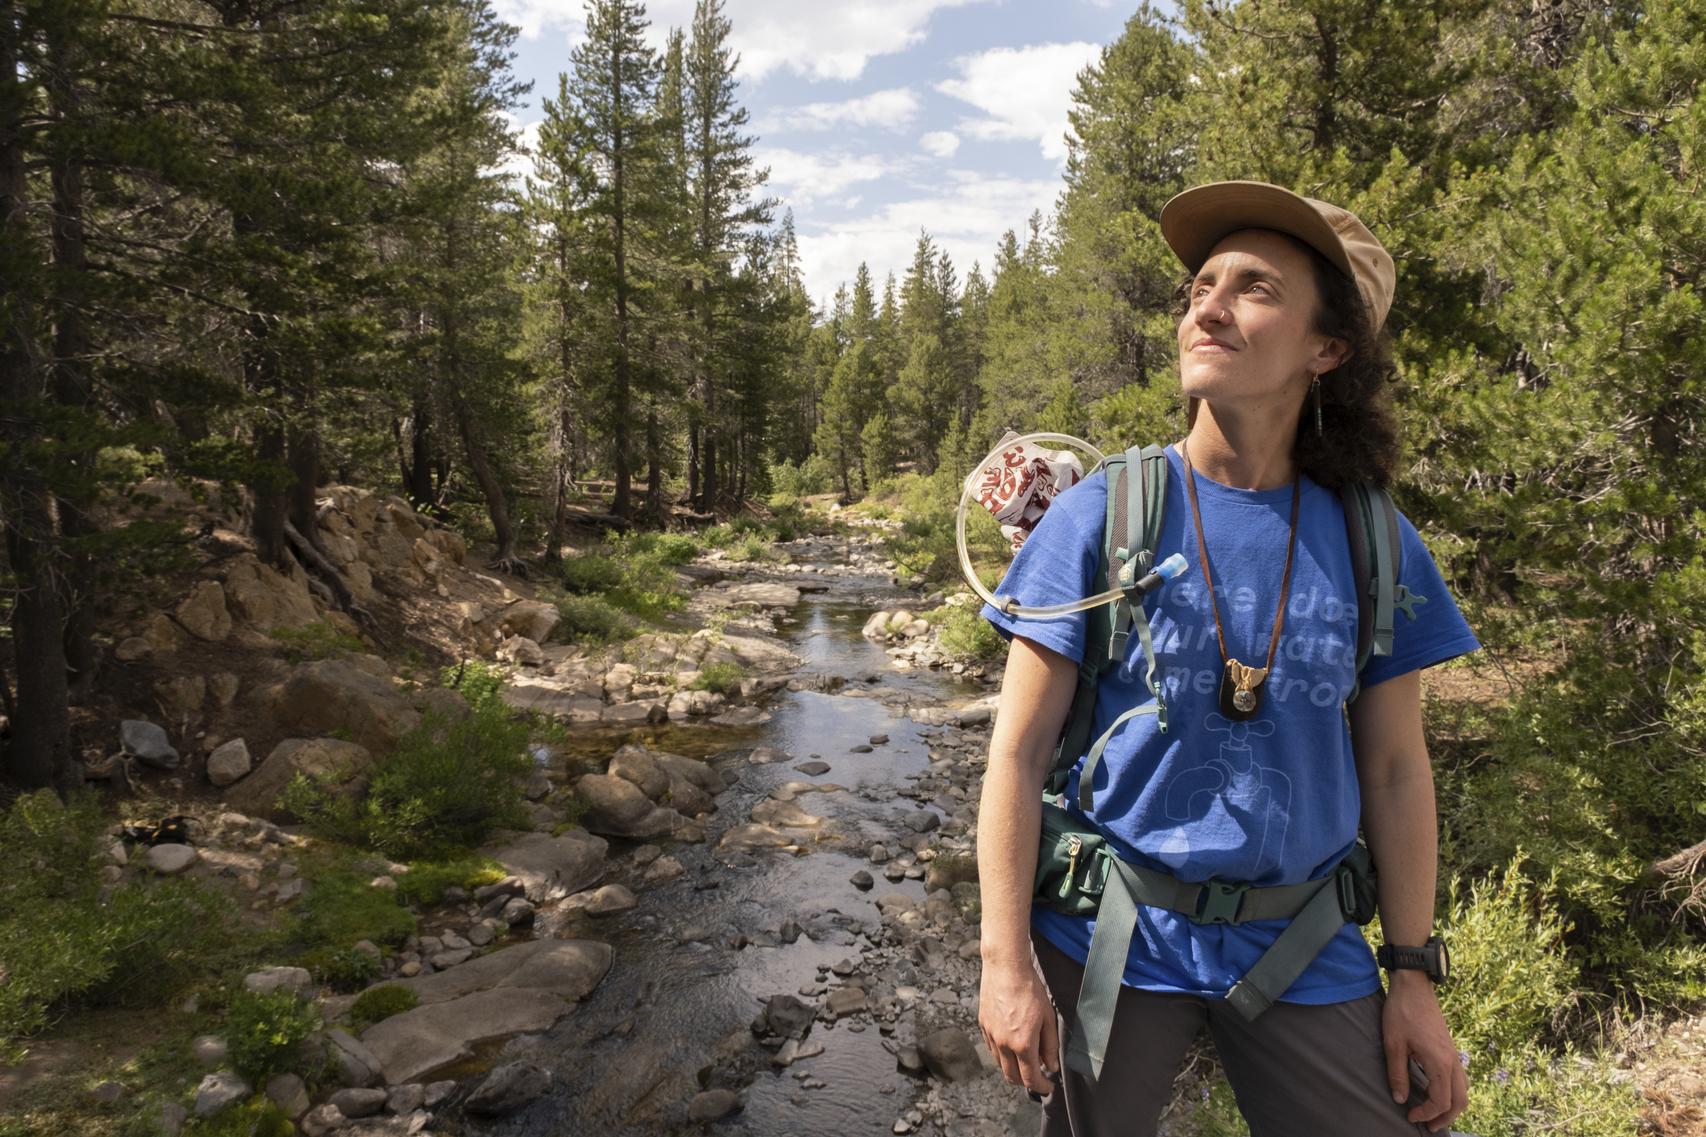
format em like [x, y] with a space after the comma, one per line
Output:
[265, 1032]
[257, 1117]
[379, 1003]
[443, 787]
[340, 906]
[966, 636]
[426, 881]
[752, 548]
[65, 939]
[1530, 1090]
[316, 640]
[591, 620]
[478, 681]
[722, 678]
[342, 969]
[590, 573]
[1513, 980]
[812, 476]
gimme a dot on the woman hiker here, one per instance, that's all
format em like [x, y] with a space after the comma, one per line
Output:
[1258, 779]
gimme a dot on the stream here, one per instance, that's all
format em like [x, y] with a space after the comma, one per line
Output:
[694, 961]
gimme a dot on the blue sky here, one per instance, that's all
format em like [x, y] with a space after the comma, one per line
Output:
[878, 118]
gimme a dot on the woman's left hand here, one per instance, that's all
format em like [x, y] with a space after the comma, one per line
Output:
[1414, 1027]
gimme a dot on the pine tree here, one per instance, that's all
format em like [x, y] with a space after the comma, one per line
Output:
[722, 180]
[614, 84]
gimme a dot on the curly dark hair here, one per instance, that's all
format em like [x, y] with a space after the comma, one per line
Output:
[1359, 439]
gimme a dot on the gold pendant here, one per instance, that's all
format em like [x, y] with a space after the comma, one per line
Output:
[1239, 695]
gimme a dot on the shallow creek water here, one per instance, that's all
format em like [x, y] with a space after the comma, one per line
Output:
[693, 961]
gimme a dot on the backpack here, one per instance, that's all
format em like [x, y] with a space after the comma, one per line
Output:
[1078, 873]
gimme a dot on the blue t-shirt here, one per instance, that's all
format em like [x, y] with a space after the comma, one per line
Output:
[1272, 800]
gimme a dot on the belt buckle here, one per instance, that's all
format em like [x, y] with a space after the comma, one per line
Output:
[1218, 903]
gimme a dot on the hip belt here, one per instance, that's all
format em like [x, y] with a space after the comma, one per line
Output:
[1079, 874]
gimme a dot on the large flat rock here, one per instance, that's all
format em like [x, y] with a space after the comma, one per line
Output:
[553, 867]
[416, 1044]
[566, 968]
[540, 695]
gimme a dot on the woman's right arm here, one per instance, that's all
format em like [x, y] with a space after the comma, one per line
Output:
[1013, 1006]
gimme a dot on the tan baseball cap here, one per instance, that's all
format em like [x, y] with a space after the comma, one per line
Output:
[1195, 220]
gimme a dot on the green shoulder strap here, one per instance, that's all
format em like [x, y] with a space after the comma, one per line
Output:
[1371, 522]
[1131, 510]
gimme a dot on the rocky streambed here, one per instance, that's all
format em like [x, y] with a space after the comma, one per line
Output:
[793, 942]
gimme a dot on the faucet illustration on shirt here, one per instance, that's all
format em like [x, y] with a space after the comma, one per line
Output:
[1229, 808]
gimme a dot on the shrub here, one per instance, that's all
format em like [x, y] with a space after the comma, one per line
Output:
[340, 906]
[591, 620]
[1512, 976]
[265, 1031]
[752, 547]
[586, 574]
[343, 969]
[674, 548]
[722, 678]
[62, 939]
[426, 881]
[318, 640]
[966, 637]
[257, 1117]
[448, 784]
[813, 476]
[478, 681]
[378, 1003]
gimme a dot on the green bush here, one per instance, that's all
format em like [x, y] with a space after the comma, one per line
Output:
[426, 881]
[446, 785]
[966, 637]
[340, 906]
[587, 574]
[379, 1003]
[65, 939]
[672, 548]
[752, 547]
[342, 969]
[478, 681]
[722, 678]
[265, 1033]
[590, 619]
[317, 640]
[257, 1117]
[1512, 975]
[813, 476]
[1529, 1091]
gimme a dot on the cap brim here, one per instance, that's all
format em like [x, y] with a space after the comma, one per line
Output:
[1194, 221]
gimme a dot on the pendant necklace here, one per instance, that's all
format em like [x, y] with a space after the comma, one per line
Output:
[1241, 684]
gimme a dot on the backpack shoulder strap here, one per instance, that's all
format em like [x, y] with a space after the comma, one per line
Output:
[1136, 488]
[1371, 524]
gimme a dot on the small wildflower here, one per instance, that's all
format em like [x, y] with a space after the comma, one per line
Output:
[1463, 1059]
[1501, 1075]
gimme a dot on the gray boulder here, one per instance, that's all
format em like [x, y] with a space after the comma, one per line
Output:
[170, 860]
[508, 1088]
[617, 807]
[217, 1091]
[949, 1055]
[229, 762]
[548, 867]
[340, 766]
[148, 744]
[332, 696]
[356, 1101]
[712, 1105]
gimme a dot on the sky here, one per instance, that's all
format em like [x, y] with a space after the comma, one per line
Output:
[881, 118]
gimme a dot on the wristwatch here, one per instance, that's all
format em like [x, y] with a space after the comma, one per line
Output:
[1431, 958]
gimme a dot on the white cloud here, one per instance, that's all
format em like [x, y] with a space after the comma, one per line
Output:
[830, 41]
[519, 164]
[801, 179]
[1024, 92]
[893, 109]
[940, 143]
[965, 213]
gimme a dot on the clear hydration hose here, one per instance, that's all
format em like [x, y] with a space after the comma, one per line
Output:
[1166, 570]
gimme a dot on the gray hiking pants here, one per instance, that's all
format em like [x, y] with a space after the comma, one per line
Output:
[1298, 1071]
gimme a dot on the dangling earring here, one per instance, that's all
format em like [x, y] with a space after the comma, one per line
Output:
[1315, 393]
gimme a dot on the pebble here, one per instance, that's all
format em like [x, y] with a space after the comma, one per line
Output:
[862, 748]
[862, 880]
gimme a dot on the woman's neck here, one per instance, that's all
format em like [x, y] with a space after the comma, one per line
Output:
[1242, 453]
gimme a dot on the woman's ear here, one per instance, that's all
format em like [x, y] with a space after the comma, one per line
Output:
[1335, 351]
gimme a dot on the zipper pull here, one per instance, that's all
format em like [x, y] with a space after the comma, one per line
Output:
[1074, 846]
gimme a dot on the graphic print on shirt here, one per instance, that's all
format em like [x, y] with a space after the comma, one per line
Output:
[1231, 804]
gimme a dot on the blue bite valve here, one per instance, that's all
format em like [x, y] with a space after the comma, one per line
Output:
[1173, 567]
